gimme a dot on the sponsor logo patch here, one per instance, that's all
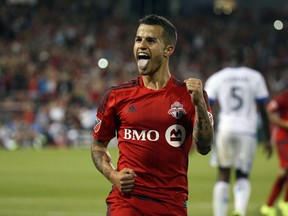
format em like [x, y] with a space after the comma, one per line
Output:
[97, 125]
[131, 109]
[175, 135]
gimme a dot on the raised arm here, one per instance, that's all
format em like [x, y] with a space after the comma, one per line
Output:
[203, 132]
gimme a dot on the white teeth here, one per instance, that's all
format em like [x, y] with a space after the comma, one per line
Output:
[142, 63]
[142, 53]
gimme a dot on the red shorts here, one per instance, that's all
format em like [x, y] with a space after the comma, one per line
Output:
[135, 205]
[282, 149]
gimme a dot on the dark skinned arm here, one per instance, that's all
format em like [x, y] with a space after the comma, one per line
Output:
[266, 128]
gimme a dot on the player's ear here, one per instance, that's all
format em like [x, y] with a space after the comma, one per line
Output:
[168, 51]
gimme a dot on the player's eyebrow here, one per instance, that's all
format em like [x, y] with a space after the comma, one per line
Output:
[147, 38]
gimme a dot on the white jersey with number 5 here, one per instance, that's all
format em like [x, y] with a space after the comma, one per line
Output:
[237, 89]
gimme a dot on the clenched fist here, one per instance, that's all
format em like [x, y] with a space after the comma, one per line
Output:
[124, 179]
[195, 88]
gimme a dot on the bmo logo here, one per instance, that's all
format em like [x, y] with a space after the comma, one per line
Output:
[175, 135]
[151, 135]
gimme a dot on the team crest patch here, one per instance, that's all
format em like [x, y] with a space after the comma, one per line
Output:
[97, 125]
[177, 110]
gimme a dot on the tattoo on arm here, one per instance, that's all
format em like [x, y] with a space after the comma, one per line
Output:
[101, 158]
[203, 131]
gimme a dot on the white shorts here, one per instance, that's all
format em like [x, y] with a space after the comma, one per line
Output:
[234, 150]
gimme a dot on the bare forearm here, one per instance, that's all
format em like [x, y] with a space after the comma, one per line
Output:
[102, 159]
[278, 121]
[203, 131]
[265, 121]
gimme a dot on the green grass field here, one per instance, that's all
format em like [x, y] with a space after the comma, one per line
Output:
[65, 183]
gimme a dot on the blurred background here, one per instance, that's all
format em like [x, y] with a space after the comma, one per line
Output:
[58, 57]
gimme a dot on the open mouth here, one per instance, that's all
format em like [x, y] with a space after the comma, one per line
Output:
[143, 60]
[143, 56]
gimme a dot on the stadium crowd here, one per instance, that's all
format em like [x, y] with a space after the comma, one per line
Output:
[49, 75]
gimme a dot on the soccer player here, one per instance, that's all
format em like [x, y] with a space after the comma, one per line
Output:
[278, 112]
[156, 119]
[238, 91]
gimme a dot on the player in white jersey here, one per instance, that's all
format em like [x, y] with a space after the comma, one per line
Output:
[238, 91]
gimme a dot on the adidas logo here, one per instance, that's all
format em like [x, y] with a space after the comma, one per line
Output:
[131, 109]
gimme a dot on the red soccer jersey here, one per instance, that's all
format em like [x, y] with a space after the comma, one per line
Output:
[279, 104]
[154, 130]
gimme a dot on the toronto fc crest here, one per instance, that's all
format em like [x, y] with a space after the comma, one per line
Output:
[177, 110]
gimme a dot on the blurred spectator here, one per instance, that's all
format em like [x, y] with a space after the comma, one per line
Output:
[51, 50]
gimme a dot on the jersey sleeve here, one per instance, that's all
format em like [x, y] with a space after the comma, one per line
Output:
[105, 123]
[261, 90]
